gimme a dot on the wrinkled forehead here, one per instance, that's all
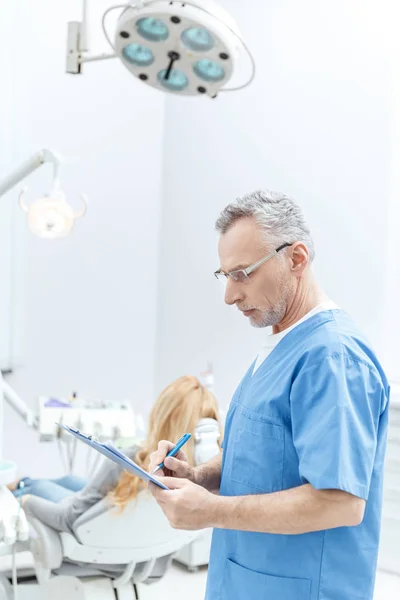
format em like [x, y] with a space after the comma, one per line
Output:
[243, 244]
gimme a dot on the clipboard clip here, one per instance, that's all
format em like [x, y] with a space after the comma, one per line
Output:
[71, 429]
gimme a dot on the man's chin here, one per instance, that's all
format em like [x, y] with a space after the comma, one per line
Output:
[257, 323]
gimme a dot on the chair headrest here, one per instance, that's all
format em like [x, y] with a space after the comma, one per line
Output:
[206, 439]
[207, 428]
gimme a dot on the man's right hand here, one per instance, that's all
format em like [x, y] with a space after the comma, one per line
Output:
[177, 466]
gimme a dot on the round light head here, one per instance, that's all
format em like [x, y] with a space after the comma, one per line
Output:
[175, 82]
[178, 48]
[198, 39]
[152, 29]
[50, 218]
[138, 55]
[209, 70]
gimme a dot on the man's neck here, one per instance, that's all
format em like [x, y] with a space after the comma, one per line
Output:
[307, 297]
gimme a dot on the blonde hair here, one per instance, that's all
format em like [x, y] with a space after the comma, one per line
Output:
[178, 409]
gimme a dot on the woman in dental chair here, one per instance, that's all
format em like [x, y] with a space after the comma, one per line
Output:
[184, 406]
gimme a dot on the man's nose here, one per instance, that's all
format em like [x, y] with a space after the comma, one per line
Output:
[232, 292]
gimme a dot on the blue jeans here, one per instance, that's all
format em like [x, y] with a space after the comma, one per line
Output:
[51, 489]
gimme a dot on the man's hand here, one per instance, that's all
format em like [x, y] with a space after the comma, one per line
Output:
[177, 466]
[186, 505]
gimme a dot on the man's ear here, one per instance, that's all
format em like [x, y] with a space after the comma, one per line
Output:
[300, 258]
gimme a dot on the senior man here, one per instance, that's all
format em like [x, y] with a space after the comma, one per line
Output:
[295, 496]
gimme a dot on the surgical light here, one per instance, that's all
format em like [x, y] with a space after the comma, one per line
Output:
[154, 30]
[138, 55]
[186, 48]
[197, 39]
[51, 216]
[176, 81]
[208, 70]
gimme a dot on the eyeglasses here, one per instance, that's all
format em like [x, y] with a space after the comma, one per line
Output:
[242, 275]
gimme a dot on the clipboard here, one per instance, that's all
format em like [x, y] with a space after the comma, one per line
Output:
[109, 451]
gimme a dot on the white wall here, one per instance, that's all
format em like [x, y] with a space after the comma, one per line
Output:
[10, 103]
[89, 303]
[392, 271]
[315, 124]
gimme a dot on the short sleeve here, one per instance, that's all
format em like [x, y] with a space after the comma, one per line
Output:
[335, 410]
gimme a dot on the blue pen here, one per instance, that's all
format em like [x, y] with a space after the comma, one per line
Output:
[175, 449]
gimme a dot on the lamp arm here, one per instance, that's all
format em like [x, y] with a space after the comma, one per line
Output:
[18, 404]
[33, 163]
[83, 40]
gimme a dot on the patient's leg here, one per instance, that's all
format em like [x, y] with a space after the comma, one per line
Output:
[44, 488]
[71, 482]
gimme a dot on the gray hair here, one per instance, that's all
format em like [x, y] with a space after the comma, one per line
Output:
[277, 214]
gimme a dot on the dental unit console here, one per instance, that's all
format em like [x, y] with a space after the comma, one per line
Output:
[103, 419]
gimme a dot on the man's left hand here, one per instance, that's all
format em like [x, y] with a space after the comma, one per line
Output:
[186, 505]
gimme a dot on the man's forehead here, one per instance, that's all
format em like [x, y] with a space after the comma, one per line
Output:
[241, 245]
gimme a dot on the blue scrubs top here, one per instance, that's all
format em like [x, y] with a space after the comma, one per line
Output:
[314, 412]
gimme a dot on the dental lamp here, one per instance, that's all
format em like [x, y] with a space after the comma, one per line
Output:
[51, 216]
[187, 48]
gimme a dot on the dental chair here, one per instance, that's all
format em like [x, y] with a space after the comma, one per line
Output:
[108, 553]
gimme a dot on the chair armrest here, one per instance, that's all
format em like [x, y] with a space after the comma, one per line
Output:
[45, 546]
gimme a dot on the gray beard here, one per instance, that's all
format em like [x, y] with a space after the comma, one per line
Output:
[268, 318]
[273, 316]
